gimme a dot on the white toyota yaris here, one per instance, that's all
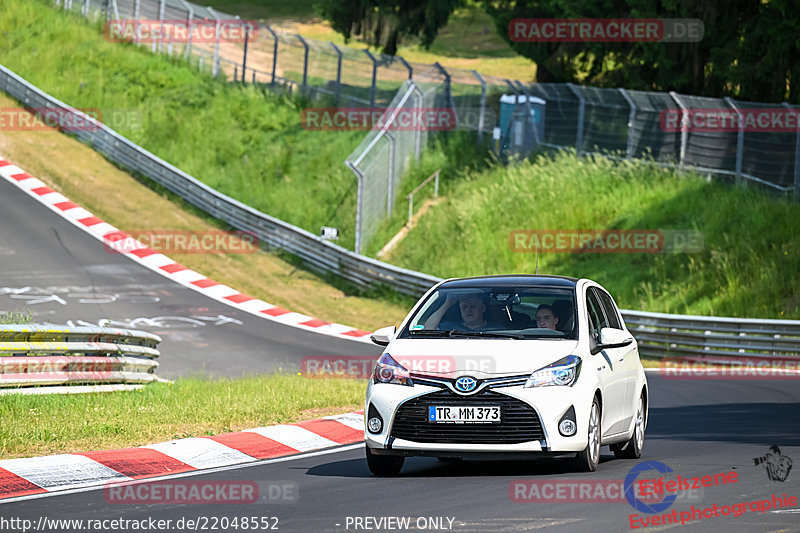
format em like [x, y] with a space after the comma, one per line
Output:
[507, 366]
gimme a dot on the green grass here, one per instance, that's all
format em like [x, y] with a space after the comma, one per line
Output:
[243, 141]
[188, 407]
[17, 317]
[749, 266]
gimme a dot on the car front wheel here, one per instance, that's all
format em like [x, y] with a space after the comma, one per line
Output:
[632, 449]
[384, 465]
[589, 458]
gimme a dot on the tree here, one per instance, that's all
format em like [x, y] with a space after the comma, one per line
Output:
[750, 48]
[384, 23]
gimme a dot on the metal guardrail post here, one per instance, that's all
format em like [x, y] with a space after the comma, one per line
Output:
[581, 115]
[274, 53]
[305, 60]
[482, 114]
[408, 67]
[187, 49]
[796, 188]
[338, 71]
[684, 127]
[374, 77]
[215, 68]
[739, 141]
[631, 122]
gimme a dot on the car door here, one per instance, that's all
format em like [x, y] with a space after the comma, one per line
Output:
[627, 359]
[610, 374]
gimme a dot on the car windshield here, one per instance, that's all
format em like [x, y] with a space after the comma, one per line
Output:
[495, 312]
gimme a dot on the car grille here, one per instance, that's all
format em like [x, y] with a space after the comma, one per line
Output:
[519, 421]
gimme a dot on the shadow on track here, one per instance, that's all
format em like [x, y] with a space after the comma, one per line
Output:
[751, 423]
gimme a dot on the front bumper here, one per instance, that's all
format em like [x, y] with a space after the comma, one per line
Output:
[548, 403]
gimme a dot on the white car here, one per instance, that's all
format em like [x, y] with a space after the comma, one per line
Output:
[512, 366]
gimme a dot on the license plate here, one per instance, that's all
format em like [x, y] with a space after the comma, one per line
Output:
[463, 414]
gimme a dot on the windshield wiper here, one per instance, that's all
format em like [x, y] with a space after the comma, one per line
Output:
[454, 332]
[458, 332]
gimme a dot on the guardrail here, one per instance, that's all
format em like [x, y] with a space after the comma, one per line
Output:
[39, 355]
[663, 335]
[317, 253]
[659, 334]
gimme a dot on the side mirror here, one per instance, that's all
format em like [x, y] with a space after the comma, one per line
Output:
[611, 338]
[383, 336]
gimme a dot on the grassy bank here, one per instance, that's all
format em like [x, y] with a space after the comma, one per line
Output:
[41, 425]
[749, 265]
[243, 141]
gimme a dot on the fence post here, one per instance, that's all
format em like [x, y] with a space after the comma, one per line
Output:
[684, 126]
[305, 59]
[448, 96]
[274, 52]
[417, 131]
[244, 57]
[136, 9]
[161, 9]
[739, 141]
[187, 50]
[215, 68]
[390, 196]
[796, 188]
[85, 8]
[374, 77]
[631, 122]
[338, 71]
[408, 67]
[483, 105]
[359, 205]
[581, 115]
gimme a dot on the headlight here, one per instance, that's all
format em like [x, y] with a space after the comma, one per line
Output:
[387, 370]
[563, 372]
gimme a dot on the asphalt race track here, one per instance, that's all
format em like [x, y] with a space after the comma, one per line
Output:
[63, 274]
[697, 428]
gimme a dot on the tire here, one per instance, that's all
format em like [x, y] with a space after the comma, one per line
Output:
[589, 458]
[384, 465]
[632, 449]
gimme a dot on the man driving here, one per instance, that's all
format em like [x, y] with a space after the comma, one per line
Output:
[472, 307]
[546, 317]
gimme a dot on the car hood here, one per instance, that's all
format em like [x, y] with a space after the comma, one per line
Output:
[478, 357]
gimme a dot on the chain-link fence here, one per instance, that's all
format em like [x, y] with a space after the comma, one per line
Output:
[521, 118]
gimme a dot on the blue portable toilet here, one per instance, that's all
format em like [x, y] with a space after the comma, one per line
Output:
[515, 127]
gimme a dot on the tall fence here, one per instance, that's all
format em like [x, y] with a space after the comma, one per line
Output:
[615, 123]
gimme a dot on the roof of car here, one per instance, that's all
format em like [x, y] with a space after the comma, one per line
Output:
[513, 280]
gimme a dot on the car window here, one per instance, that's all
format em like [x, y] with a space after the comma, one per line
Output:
[610, 309]
[597, 320]
[499, 310]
